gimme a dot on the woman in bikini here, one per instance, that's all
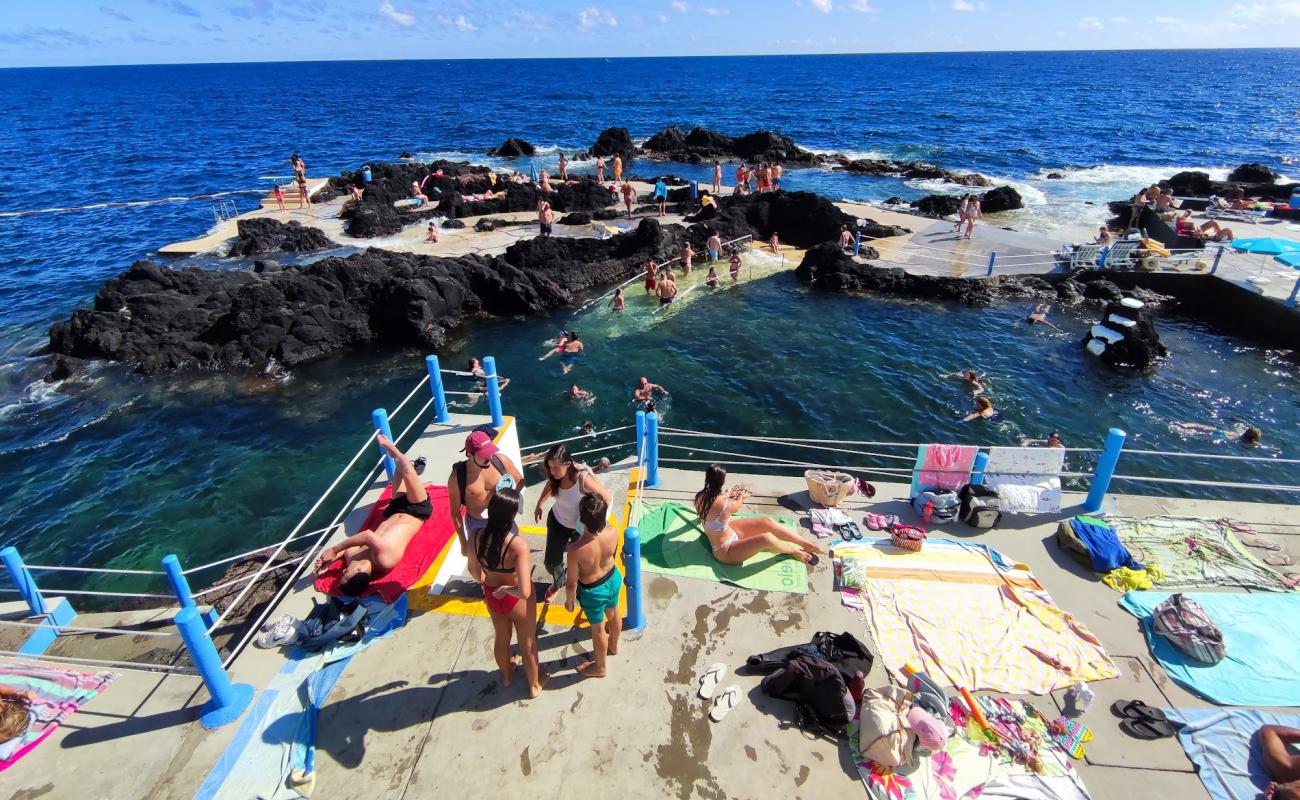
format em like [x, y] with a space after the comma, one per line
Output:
[735, 540]
[499, 561]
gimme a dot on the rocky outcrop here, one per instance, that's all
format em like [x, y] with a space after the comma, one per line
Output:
[1256, 180]
[612, 142]
[259, 235]
[803, 219]
[829, 268]
[1136, 347]
[703, 144]
[1254, 173]
[1003, 198]
[513, 148]
[910, 170]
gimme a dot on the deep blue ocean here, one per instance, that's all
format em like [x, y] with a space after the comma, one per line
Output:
[115, 468]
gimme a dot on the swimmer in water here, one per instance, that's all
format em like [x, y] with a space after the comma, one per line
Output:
[617, 303]
[1251, 435]
[983, 410]
[579, 395]
[644, 391]
[712, 278]
[970, 377]
[1039, 316]
[586, 428]
[556, 345]
[571, 349]
[432, 238]
[735, 267]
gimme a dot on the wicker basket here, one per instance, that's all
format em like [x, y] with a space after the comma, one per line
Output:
[907, 538]
[828, 488]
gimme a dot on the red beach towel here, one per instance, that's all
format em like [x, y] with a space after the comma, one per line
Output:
[420, 553]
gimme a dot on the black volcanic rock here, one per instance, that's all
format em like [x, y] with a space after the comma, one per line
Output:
[258, 235]
[704, 144]
[668, 140]
[612, 142]
[1189, 182]
[452, 223]
[829, 268]
[513, 148]
[1253, 173]
[911, 170]
[937, 205]
[576, 218]
[1002, 198]
[803, 219]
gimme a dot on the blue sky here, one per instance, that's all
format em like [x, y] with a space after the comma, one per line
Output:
[79, 32]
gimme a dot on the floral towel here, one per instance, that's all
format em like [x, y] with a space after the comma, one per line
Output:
[1021, 761]
[1193, 553]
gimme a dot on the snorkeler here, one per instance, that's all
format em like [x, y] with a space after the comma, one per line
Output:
[1039, 316]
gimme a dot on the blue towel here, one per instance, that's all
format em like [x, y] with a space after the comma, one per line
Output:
[1221, 743]
[1104, 546]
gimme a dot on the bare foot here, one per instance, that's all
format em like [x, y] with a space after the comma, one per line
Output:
[588, 668]
[809, 547]
[803, 555]
[509, 674]
[542, 678]
[612, 649]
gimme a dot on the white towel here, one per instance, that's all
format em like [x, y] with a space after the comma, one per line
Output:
[1027, 479]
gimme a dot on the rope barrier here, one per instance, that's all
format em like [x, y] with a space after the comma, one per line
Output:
[575, 437]
[96, 206]
[200, 568]
[835, 449]
[96, 570]
[1220, 456]
[1217, 484]
[408, 397]
[70, 629]
[97, 593]
[109, 662]
[243, 578]
[458, 372]
[601, 449]
[870, 470]
[783, 439]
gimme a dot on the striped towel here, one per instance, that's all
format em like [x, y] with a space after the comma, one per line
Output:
[59, 693]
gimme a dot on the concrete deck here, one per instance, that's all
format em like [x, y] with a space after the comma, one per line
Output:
[423, 712]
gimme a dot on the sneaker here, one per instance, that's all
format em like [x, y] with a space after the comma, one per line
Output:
[285, 632]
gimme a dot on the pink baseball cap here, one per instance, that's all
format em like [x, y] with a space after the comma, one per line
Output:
[479, 444]
[929, 731]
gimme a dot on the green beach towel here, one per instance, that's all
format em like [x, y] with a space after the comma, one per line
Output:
[673, 543]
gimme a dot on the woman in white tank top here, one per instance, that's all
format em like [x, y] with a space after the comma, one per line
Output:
[567, 482]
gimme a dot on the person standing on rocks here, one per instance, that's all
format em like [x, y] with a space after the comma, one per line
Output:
[717, 177]
[629, 195]
[600, 170]
[776, 177]
[661, 196]
[846, 239]
[545, 217]
[618, 168]
[564, 168]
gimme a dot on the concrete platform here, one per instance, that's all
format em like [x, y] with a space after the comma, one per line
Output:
[423, 712]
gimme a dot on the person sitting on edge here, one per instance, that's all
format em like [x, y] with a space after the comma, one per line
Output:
[735, 267]
[735, 540]
[661, 196]
[574, 393]
[644, 390]
[714, 246]
[846, 239]
[1104, 236]
[1280, 761]
[545, 182]
[618, 304]
[1039, 316]
[667, 287]
[432, 238]
[373, 554]
[629, 196]
[595, 580]
[473, 482]
[687, 255]
[775, 244]
[567, 482]
[417, 193]
[711, 279]
[983, 410]
[970, 377]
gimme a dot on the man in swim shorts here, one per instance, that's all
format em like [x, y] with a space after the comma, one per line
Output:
[473, 482]
[545, 217]
[570, 351]
[667, 287]
[593, 577]
[372, 554]
[714, 246]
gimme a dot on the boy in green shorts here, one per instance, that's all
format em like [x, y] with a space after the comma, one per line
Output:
[594, 579]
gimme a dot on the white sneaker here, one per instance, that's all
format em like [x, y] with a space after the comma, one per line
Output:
[285, 632]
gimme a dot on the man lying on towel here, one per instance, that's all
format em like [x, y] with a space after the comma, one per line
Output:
[371, 554]
[1281, 763]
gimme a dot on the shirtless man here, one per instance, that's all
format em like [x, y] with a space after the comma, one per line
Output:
[545, 217]
[667, 287]
[594, 580]
[1279, 761]
[372, 554]
[473, 482]
[629, 195]
[1039, 316]
[776, 176]
[644, 390]
[569, 352]
[714, 246]
[618, 168]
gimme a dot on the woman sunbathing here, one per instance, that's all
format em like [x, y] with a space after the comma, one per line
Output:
[735, 540]
[15, 712]
[1210, 230]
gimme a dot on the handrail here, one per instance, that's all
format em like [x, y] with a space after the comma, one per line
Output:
[243, 578]
[1220, 456]
[96, 569]
[100, 593]
[827, 449]
[783, 440]
[229, 559]
[1217, 484]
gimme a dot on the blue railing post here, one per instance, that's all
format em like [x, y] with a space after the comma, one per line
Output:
[1295, 290]
[857, 243]
[640, 434]
[1217, 255]
[181, 588]
[493, 391]
[695, 190]
[652, 450]
[993, 257]
[977, 471]
[440, 414]
[228, 700]
[379, 417]
[23, 580]
[1105, 470]
[635, 619]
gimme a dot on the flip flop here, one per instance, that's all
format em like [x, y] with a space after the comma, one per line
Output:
[1137, 710]
[1147, 729]
[711, 680]
[419, 464]
[1279, 560]
[1291, 579]
[729, 699]
[874, 522]
[813, 560]
[1262, 544]
[1239, 527]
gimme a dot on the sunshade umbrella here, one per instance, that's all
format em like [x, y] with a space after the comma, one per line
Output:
[1290, 259]
[1266, 246]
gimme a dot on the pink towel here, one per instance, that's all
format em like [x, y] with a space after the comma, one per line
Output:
[947, 466]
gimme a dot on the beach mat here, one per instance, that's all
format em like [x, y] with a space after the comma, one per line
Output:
[673, 543]
[1221, 743]
[59, 693]
[1193, 553]
[1261, 633]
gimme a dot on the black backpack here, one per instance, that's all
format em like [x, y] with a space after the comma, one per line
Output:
[818, 690]
[843, 650]
[979, 506]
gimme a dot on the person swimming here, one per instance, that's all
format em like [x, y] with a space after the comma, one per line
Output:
[579, 395]
[1250, 435]
[983, 410]
[569, 351]
[970, 377]
[1039, 316]
[617, 304]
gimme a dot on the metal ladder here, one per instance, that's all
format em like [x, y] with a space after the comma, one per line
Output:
[223, 210]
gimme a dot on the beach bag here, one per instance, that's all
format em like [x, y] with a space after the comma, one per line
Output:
[335, 620]
[944, 504]
[1185, 624]
[978, 506]
[1073, 546]
[828, 488]
[884, 735]
[844, 650]
[907, 537]
[822, 699]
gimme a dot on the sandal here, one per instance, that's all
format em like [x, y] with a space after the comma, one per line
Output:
[1291, 579]
[1239, 527]
[849, 531]
[1279, 560]
[1137, 710]
[1262, 544]
[419, 464]
[874, 522]
[1147, 729]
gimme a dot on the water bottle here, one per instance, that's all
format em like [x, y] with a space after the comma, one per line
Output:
[927, 513]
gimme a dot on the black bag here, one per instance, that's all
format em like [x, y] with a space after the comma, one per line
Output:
[336, 620]
[817, 688]
[843, 650]
[979, 507]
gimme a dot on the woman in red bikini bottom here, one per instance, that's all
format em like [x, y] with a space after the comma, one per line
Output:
[499, 561]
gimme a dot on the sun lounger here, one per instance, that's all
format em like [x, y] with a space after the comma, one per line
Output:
[1083, 256]
[1222, 209]
[1119, 256]
[604, 230]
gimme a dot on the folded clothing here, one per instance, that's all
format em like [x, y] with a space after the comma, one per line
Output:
[824, 521]
[421, 551]
[1103, 545]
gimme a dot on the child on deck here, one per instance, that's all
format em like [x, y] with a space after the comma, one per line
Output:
[594, 579]
[278, 191]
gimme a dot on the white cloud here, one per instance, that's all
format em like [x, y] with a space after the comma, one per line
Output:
[1278, 9]
[717, 12]
[523, 20]
[592, 17]
[663, 20]
[679, 6]
[863, 6]
[823, 6]
[1089, 24]
[967, 5]
[463, 25]
[1120, 20]
[398, 17]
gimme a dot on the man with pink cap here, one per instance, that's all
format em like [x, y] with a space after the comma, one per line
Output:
[474, 481]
